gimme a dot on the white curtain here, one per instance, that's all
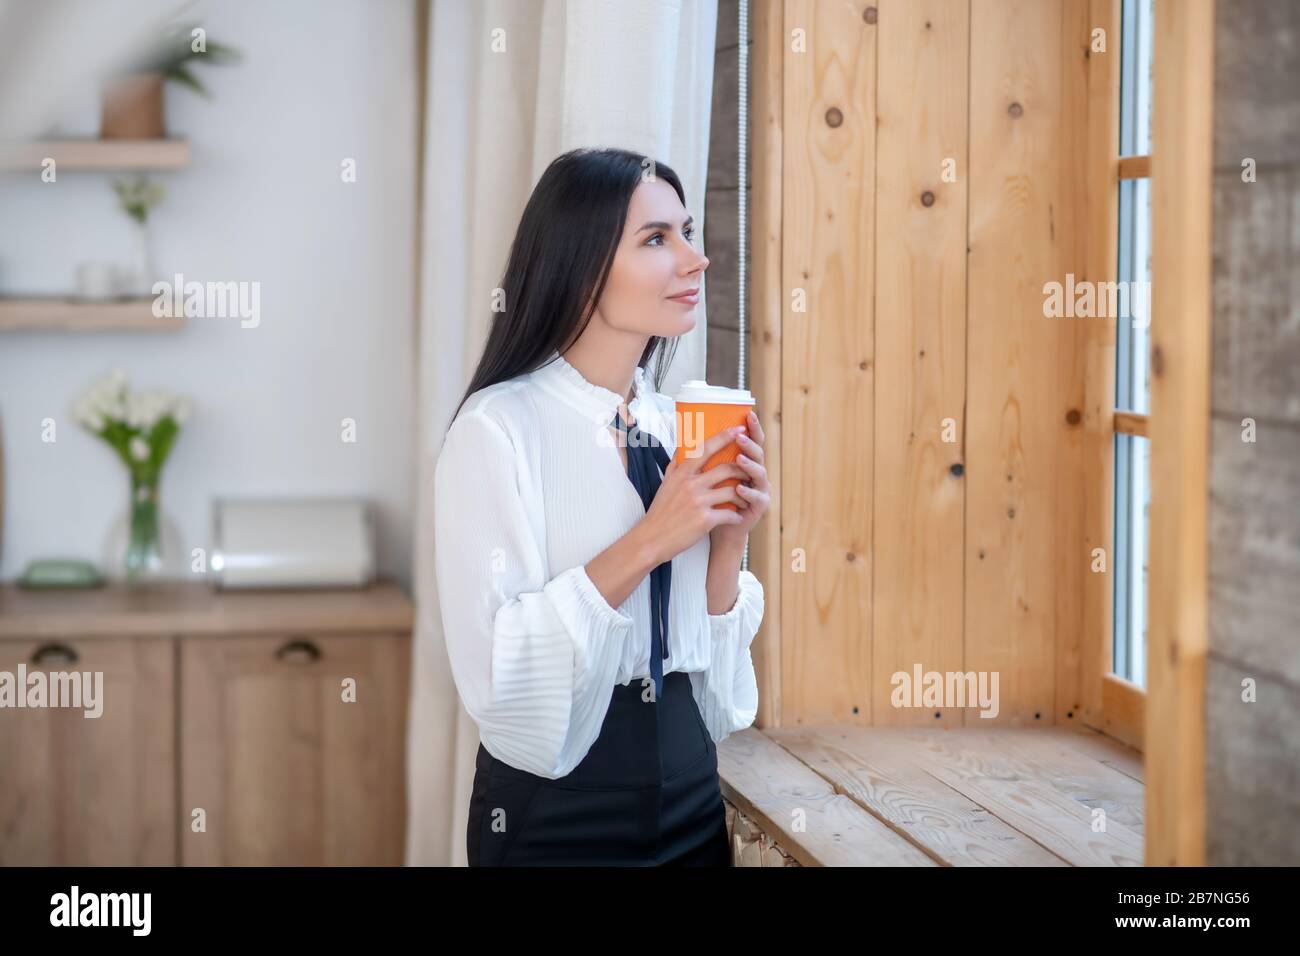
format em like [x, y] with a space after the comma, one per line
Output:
[510, 85]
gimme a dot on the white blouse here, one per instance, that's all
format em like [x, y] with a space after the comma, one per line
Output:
[529, 487]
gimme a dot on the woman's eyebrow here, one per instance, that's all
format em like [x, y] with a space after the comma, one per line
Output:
[664, 225]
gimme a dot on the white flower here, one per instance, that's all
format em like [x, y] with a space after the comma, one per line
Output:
[142, 410]
[105, 396]
[135, 411]
[87, 414]
[111, 400]
[139, 449]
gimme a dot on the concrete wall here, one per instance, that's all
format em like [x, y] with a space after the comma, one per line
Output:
[1253, 749]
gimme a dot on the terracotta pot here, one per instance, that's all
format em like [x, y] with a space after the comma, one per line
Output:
[133, 107]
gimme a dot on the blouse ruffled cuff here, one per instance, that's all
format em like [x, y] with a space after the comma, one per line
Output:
[740, 624]
[727, 692]
[599, 631]
[554, 655]
[581, 605]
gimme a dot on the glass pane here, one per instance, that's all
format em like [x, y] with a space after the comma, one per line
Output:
[1132, 312]
[1133, 296]
[1132, 507]
[1135, 78]
[1146, 21]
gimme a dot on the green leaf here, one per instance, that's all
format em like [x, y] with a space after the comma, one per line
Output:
[184, 77]
[161, 441]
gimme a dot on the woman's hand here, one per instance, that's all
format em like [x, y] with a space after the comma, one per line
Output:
[683, 509]
[755, 491]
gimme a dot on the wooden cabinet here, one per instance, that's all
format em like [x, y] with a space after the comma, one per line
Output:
[79, 790]
[293, 749]
[236, 729]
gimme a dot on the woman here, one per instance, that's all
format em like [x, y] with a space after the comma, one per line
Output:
[596, 617]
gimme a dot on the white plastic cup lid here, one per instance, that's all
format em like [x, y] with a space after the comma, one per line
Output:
[697, 390]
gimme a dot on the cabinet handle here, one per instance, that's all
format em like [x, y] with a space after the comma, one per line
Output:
[299, 651]
[54, 654]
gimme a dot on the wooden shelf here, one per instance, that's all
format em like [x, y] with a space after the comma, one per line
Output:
[89, 155]
[74, 315]
[1015, 794]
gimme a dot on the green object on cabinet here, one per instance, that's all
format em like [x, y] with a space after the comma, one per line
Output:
[60, 573]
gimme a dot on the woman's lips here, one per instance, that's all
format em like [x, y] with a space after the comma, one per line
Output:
[687, 298]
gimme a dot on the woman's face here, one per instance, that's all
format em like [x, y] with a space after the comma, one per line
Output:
[656, 261]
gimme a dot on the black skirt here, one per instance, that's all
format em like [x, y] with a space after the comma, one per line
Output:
[646, 794]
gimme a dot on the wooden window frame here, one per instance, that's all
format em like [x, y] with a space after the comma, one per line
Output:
[1113, 705]
[1182, 186]
[1166, 720]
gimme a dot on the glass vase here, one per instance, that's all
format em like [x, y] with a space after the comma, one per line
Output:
[145, 547]
[137, 278]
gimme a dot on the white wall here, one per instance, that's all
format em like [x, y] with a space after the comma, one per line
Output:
[262, 200]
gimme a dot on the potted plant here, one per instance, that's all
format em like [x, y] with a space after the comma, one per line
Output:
[141, 427]
[133, 103]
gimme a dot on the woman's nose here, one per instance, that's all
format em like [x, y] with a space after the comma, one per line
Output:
[700, 264]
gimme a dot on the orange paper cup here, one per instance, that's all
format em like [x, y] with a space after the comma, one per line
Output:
[703, 410]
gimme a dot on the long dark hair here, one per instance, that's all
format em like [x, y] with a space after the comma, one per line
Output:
[560, 259]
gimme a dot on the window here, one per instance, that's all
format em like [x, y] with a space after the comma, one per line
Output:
[1133, 346]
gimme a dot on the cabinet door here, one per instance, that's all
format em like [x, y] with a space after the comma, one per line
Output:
[285, 767]
[91, 791]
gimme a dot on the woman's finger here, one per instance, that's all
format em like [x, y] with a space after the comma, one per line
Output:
[728, 469]
[727, 516]
[750, 447]
[697, 454]
[755, 427]
[721, 494]
[754, 471]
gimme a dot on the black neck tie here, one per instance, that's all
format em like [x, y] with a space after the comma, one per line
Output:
[646, 458]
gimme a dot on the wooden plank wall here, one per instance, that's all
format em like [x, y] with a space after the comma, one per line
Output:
[827, 355]
[767, 302]
[922, 114]
[1101, 218]
[1023, 536]
[924, 303]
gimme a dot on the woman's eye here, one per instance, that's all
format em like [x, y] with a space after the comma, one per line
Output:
[689, 233]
